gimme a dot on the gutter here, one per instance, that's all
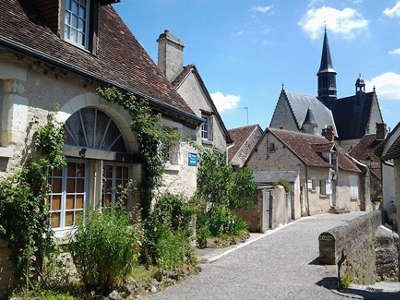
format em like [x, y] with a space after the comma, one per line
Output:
[155, 103]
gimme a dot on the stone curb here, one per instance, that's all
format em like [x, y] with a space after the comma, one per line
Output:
[350, 296]
[269, 232]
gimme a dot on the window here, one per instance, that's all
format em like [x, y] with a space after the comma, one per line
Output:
[115, 178]
[68, 195]
[76, 22]
[322, 187]
[91, 128]
[206, 127]
[271, 147]
[314, 184]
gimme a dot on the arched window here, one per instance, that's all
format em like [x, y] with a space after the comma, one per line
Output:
[91, 128]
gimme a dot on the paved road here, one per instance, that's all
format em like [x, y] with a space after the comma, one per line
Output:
[279, 266]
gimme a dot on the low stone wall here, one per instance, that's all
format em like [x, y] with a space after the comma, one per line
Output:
[6, 269]
[253, 216]
[353, 247]
[387, 250]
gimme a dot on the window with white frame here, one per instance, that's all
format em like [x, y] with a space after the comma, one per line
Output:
[206, 127]
[115, 178]
[76, 22]
[68, 195]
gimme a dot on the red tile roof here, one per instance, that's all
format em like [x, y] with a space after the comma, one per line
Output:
[304, 147]
[120, 59]
[365, 152]
[239, 136]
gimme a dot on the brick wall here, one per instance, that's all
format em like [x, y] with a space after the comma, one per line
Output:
[6, 269]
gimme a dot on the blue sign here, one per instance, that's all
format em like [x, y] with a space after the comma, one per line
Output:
[192, 159]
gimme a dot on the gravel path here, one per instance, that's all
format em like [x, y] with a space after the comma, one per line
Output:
[280, 266]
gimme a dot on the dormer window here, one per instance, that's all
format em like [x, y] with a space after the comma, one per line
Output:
[76, 22]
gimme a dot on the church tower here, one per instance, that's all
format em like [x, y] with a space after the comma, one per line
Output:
[326, 76]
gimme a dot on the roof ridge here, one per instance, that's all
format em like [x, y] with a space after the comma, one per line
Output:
[245, 126]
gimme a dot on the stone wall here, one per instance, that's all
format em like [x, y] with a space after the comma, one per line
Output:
[387, 250]
[253, 216]
[6, 269]
[353, 242]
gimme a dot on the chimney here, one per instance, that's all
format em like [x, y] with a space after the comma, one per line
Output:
[170, 55]
[381, 131]
[328, 133]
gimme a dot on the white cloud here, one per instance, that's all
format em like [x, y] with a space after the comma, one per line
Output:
[395, 51]
[225, 102]
[387, 86]
[261, 9]
[394, 11]
[346, 23]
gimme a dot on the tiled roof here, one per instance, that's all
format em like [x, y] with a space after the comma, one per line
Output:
[300, 104]
[302, 145]
[365, 151]
[239, 136]
[355, 109]
[120, 58]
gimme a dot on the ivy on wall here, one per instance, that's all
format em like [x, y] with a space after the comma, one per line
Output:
[24, 221]
[151, 138]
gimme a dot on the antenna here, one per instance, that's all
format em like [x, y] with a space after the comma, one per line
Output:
[246, 108]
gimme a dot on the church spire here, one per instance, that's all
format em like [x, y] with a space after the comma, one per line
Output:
[326, 76]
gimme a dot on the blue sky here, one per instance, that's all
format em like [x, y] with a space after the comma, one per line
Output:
[245, 50]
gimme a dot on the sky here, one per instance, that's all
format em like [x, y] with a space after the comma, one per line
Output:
[245, 50]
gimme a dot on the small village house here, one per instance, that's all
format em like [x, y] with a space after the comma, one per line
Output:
[329, 179]
[53, 56]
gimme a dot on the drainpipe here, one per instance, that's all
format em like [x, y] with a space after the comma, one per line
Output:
[227, 152]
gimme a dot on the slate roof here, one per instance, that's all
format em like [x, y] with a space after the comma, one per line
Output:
[239, 136]
[326, 60]
[120, 59]
[300, 104]
[302, 145]
[365, 151]
[180, 78]
[352, 114]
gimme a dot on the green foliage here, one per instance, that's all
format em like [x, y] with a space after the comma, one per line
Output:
[106, 248]
[168, 233]
[150, 136]
[345, 281]
[173, 249]
[223, 221]
[218, 184]
[285, 184]
[173, 212]
[24, 221]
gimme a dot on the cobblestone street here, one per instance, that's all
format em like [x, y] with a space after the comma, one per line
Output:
[280, 266]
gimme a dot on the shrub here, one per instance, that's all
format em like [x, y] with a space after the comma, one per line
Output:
[222, 221]
[203, 233]
[173, 211]
[173, 249]
[218, 184]
[168, 232]
[106, 248]
[285, 184]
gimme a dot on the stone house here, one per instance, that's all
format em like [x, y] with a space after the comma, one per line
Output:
[244, 139]
[188, 83]
[53, 56]
[329, 179]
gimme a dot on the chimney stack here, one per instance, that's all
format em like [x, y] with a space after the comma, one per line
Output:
[328, 133]
[170, 55]
[381, 131]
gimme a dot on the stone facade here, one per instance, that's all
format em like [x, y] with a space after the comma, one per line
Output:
[343, 195]
[195, 96]
[352, 246]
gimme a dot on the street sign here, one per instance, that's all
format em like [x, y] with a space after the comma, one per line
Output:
[192, 159]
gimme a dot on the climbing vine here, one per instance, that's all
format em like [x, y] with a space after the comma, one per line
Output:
[24, 220]
[151, 137]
